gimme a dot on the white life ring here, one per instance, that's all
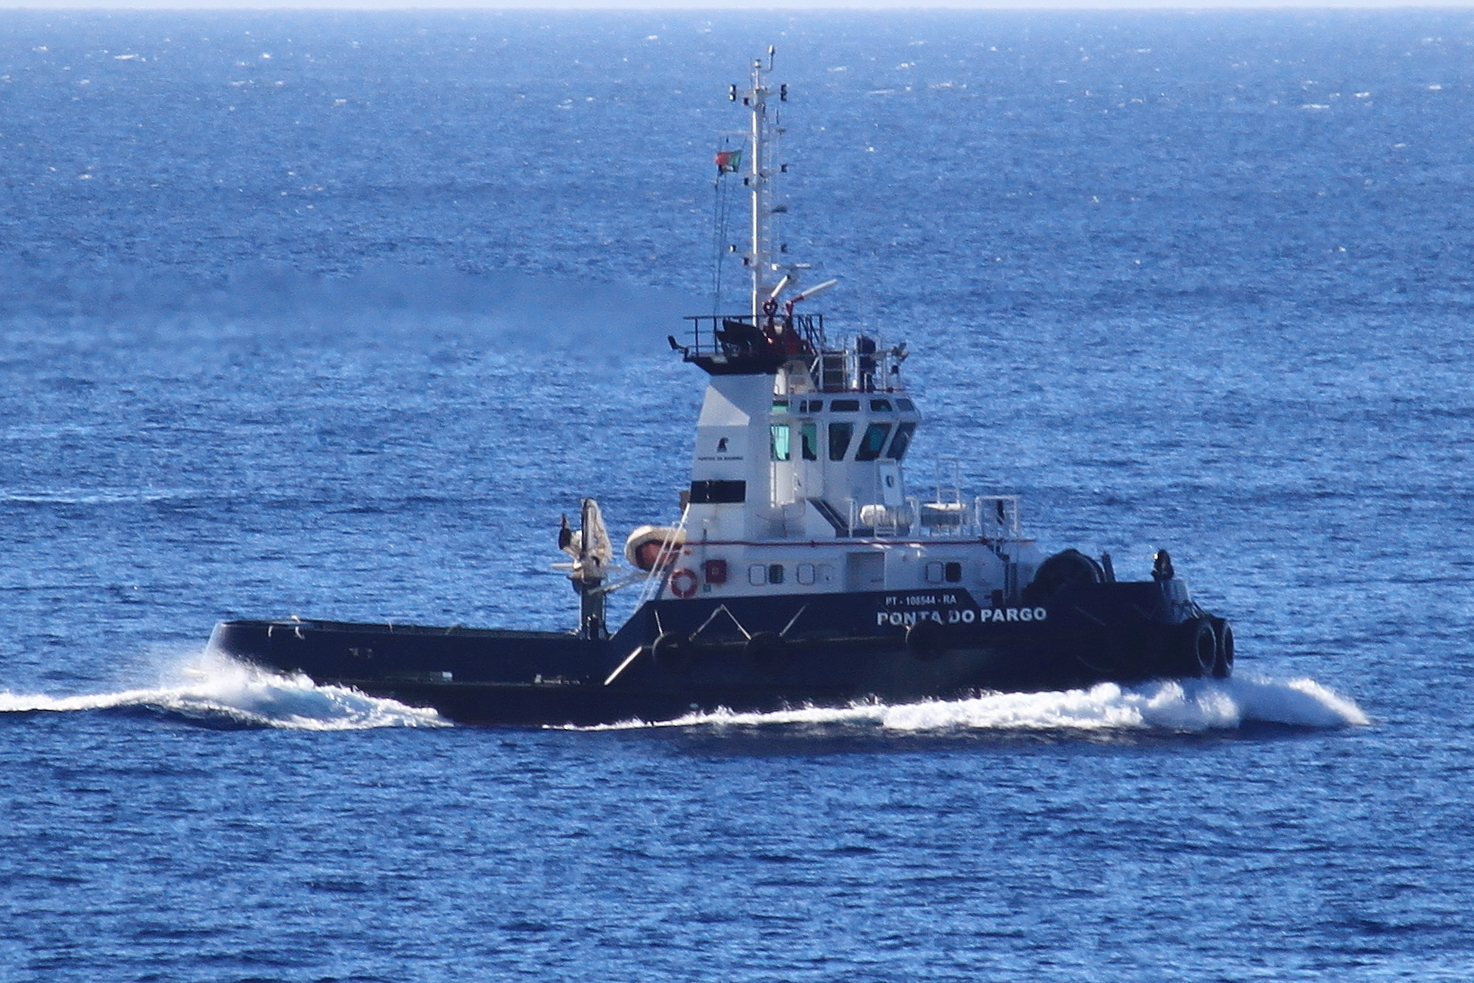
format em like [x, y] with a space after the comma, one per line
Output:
[683, 583]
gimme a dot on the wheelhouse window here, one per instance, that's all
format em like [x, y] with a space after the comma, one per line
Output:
[905, 404]
[839, 439]
[809, 441]
[880, 406]
[845, 406]
[780, 441]
[873, 442]
[901, 442]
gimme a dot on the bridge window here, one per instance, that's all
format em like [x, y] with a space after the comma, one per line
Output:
[839, 439]
[780, 435]
[845, 406]
[880, 406]
[905, 404]
[873, 442]
[809, 441]
[901, 442]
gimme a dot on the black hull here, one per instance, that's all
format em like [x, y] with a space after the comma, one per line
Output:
[757, 654]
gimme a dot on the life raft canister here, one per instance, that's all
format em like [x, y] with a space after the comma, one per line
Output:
[649, 547]
[683, 583]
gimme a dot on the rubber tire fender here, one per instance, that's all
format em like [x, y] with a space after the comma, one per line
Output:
[1223, 666]
[927, 640]
[768, 651]
[673, 652]
[1196, 649]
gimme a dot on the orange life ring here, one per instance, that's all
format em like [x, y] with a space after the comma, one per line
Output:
[683, 583]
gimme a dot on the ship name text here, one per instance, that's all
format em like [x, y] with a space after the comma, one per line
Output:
[965, 616]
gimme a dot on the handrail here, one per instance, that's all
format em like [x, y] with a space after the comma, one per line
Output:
[724, 334]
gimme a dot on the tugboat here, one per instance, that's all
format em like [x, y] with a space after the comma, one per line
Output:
[800, 572]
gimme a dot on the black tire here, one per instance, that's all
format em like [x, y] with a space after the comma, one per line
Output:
[927, 640]
[673, 652]
[768, 651]
[1223, 666]
[1197, 648]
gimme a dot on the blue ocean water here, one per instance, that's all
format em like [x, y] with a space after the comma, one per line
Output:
[335, 314]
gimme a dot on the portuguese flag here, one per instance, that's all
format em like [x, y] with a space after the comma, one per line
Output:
[728, 161]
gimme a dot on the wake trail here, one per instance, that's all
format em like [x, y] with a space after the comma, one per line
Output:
[220, 692]
[216, 691]
[1168, 706]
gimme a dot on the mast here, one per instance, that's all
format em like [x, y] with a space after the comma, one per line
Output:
[757, 180]
[769, 336]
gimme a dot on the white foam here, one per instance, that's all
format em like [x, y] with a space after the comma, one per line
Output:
[220, 690]
[1185, 706]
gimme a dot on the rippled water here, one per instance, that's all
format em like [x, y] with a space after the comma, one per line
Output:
[341, 331]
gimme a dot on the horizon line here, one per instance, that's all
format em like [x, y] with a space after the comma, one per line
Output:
[705, 6]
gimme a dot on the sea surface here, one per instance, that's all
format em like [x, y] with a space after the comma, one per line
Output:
[335, 315]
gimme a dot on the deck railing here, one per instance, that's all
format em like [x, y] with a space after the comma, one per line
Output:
[984, 517]
[859, 365]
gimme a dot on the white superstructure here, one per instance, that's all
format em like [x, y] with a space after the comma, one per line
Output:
[798, 477]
